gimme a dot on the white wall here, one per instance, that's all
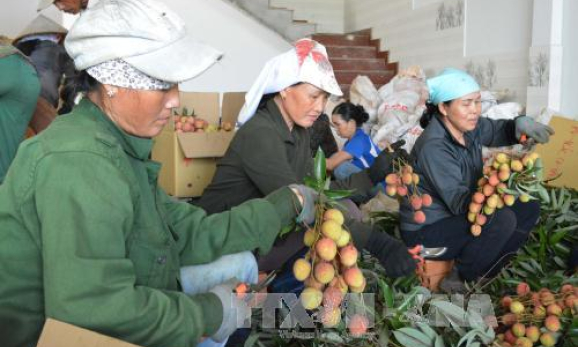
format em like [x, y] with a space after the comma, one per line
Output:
[15, 15]
[569, 106]
[246, 43]
[410, 30]
[489, 31]
[328, 15]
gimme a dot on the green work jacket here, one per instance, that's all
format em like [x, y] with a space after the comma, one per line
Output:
[88, 237]
[19, 90]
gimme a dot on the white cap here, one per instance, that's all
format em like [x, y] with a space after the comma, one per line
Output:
[306, 62]
[144, 33]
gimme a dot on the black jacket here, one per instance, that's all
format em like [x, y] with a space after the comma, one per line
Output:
[449, 171]
[264, 156]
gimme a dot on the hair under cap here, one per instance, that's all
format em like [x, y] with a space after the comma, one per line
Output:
[449, 85]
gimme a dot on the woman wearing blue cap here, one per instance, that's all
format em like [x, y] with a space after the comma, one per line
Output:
[448, 159]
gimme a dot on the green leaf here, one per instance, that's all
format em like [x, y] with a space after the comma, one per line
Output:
[426, 329]
[311, 183]
[387, 292]
[544, 195]
[319, 167]
[556, 236]
[252, 340]
[411, 337]
[287, 229]
[539, 166]
[510, 191]
[338, 194]
[383, 337]
[439, 342]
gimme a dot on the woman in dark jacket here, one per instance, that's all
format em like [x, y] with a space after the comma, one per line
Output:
[272, 149]
[448, 159]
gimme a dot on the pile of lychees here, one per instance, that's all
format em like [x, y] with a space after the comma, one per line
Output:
[329, 270]
[506, 179]
[534, 318]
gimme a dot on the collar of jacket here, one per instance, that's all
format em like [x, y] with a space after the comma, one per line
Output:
[276, 117]
[441, 127]
[137, 147]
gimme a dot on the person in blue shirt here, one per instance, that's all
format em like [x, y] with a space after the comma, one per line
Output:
[359, 151]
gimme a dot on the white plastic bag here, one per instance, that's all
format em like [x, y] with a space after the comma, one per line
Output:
[364, 93]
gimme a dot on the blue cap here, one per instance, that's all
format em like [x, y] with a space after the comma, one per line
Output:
[449, 85]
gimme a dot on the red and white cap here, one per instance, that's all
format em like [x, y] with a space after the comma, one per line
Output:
[306, 62]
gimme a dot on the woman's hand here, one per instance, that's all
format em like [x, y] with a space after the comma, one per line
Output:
[382, 166]
[307, 197]
[535, 130]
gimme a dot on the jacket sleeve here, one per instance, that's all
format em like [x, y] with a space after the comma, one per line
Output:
[85, 206]
[497, 132]
[441, 169]
[253, 224]
[265, 160]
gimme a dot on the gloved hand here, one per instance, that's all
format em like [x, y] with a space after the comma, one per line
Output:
[309, 198]
[535, 130]
[392, 254]
[233, 307]
[383, 164]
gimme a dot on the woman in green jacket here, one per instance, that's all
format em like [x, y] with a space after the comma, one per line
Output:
[19, 90]
[87, 236]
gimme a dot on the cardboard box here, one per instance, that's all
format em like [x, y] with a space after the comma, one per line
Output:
[560, 155]
[60, 334]
[189, 159]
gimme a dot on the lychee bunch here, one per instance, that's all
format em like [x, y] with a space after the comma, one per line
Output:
[536, 318]
[505, 179]
[403, 184]
[329, 269]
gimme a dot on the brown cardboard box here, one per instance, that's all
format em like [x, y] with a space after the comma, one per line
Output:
[59, 334]
[560, 155]
[189, 159]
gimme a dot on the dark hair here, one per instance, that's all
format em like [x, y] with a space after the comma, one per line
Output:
[27, 47]
[430, 111]
[348, 111]
[82, 82]
[264, 99]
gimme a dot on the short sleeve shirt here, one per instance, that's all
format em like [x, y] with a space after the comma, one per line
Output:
[362, 149]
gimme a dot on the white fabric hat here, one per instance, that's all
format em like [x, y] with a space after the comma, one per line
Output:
[42, 4]
[41, 25]
[144, 33]
[306, 62]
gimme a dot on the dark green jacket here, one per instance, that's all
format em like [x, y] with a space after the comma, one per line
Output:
[19, 90]
[263, 156]
[87, 237]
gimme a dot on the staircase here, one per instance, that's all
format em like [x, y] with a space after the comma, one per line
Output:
[278, 19]
[357, 54]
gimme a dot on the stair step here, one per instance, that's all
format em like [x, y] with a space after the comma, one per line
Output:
[351, 52]
[377, 77]
[342, 40]
[358, 64]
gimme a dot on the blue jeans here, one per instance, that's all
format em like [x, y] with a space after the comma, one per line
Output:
[198, 279]
[345, 169]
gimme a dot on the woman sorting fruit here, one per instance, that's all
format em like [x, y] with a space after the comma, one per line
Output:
[86, 235]
[448, 160]
[359, 151]
[272, 149]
